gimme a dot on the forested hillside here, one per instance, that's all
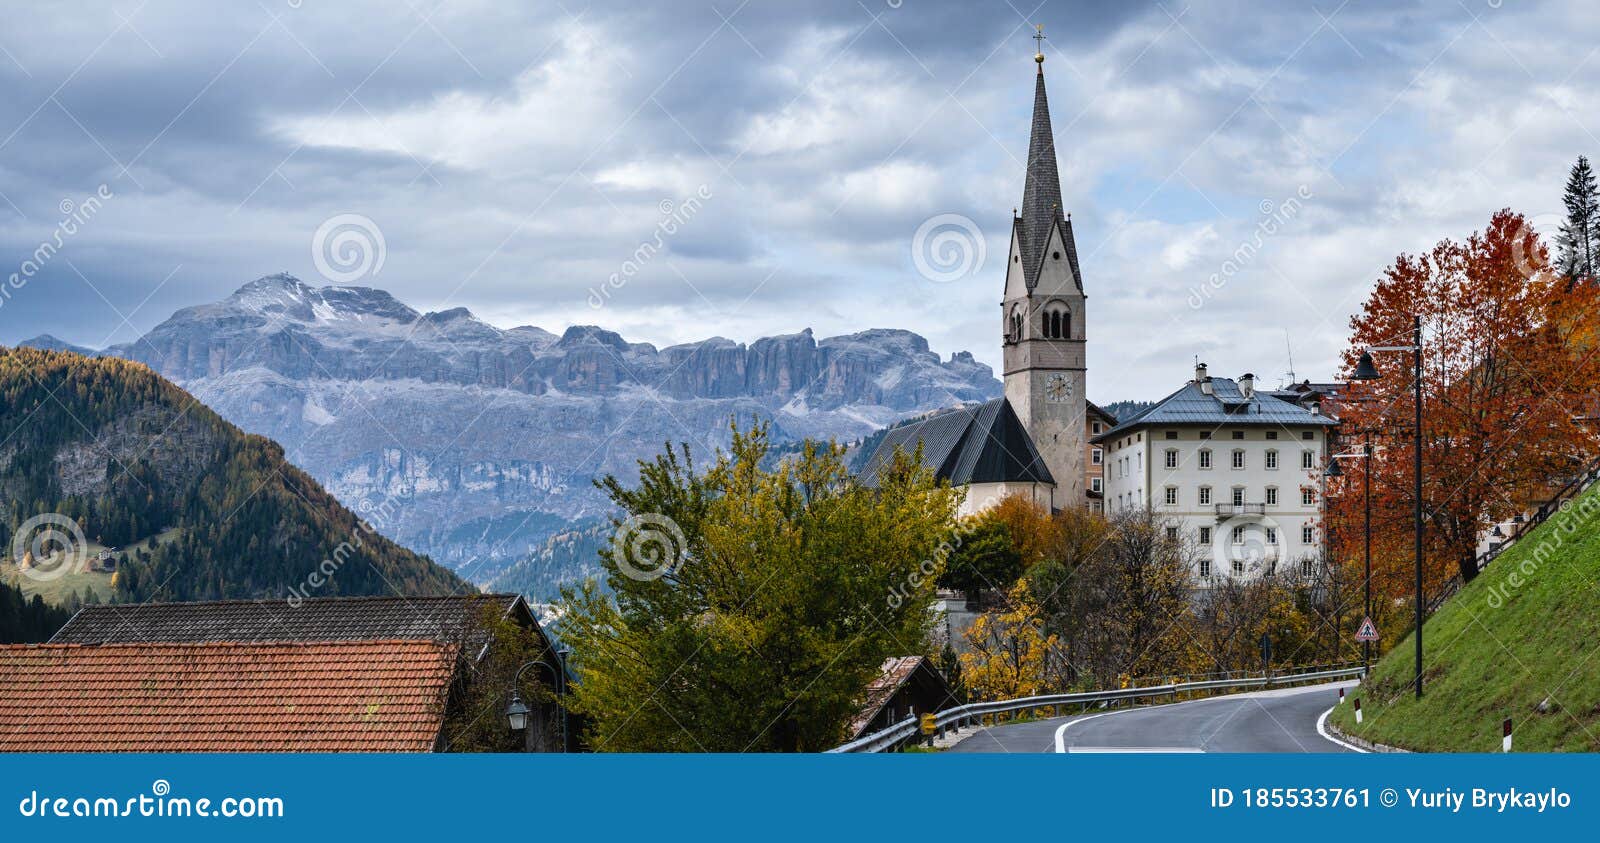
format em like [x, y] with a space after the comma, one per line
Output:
[195, 508]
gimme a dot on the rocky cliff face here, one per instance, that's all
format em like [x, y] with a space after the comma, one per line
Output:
[480, 443]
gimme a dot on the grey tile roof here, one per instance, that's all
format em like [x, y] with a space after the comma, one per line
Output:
[451, 619]
[981, 443]
[1041, 195]
[1226, 406]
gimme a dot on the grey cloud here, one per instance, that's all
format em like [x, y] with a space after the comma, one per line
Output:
[1170, 120]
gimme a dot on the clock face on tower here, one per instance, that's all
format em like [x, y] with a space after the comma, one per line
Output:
[1057, 388]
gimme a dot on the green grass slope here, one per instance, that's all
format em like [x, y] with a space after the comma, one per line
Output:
[1521, 641]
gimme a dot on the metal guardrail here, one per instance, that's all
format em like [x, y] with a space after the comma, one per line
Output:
[908, 730]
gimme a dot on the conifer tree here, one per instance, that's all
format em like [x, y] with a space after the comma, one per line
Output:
[1580, 234]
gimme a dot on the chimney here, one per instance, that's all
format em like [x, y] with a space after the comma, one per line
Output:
[1247, 385]
[1199, 373]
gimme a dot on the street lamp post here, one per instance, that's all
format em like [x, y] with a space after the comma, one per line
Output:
[518, 713]
[1366, 371]
[1366, 482]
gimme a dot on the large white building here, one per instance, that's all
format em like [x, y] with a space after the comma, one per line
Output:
[1236, 471]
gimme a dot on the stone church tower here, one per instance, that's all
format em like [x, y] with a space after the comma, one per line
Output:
[1043, 317]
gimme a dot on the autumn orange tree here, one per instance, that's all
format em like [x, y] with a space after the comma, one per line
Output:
[1508, 360]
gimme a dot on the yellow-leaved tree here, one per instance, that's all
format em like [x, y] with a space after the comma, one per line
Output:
[1010, 655]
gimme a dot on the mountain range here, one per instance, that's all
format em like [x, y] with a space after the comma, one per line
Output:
[478, 445]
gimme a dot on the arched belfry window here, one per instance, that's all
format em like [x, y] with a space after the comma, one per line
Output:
[1016, 325]
[1056, 323]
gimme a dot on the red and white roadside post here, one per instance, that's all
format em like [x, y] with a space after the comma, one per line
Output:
[1357, 703]
[1505, 736]
[1341, 697]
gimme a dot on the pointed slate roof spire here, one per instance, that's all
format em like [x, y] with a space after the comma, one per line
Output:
[1041, 195]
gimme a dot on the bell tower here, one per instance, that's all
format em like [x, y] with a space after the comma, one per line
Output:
[1043, 314]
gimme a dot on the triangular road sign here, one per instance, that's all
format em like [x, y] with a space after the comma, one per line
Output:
[1368, 630]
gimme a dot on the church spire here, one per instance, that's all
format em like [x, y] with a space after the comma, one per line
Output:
[1041, 195]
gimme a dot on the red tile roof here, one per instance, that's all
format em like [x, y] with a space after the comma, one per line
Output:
[344, 696]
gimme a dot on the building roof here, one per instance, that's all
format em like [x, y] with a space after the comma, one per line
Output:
[979, 443]
[1096, 411]
[454, 618]
[332, 696]
[1041, 195]
[896, 672]
[1227, 405]
[1326, 388]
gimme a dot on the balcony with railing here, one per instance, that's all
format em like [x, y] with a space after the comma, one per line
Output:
[1231, 510]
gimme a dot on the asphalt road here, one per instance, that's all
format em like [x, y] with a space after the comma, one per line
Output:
[1283, 720]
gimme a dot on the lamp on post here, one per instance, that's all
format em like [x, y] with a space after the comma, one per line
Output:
[518, 713]
[1367, 371]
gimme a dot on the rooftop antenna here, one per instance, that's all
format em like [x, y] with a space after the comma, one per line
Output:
[1290, 349]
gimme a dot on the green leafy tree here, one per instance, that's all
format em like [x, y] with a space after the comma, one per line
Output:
[985, 558]
[747, 607]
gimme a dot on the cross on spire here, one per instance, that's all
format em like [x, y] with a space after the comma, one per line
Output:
[1038, 38]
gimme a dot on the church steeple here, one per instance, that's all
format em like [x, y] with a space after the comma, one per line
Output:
[1043, 324]
[1041, 194]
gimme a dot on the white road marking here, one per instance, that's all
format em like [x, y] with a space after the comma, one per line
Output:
[1322, 729]
[1061, 731]
[1136, 750]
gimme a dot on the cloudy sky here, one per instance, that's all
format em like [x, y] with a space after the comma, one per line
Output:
[514, 157]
